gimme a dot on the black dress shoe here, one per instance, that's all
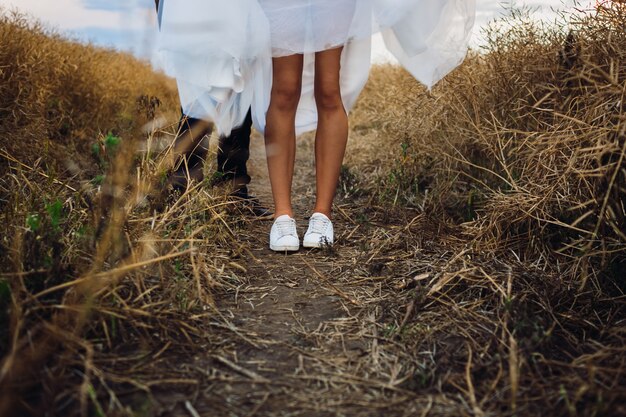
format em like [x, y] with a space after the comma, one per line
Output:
[178, 180]
[174, 186]
[251, 204]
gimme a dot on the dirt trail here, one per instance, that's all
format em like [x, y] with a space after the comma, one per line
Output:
[311, 333]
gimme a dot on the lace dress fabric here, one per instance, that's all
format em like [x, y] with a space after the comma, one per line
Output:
[220, 52]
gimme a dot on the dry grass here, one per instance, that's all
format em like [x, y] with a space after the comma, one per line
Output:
[516, 162]
[65, 93]
[478, 270]
[524, 144]
[88, 271]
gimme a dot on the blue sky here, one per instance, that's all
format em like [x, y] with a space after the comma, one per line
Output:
[107, 4]
[131, 24]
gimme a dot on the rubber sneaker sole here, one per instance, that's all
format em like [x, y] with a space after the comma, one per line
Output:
[315, 245]
[311, 245]
[284, 248]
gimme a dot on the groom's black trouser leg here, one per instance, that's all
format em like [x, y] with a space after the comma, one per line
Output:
[233, 155]
[191, 148]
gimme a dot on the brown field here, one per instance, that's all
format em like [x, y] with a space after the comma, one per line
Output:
[479, 270]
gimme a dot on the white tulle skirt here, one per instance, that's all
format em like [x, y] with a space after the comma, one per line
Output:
[220, 52]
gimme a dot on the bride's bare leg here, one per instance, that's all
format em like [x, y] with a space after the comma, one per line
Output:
[280, 132]
[332, 128]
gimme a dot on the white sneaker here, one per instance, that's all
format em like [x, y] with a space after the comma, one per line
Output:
[320, 232]
[284, 236]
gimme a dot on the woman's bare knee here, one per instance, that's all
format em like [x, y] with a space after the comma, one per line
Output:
[285, 97]
[327, 85]
[328, 99]
[287, 83]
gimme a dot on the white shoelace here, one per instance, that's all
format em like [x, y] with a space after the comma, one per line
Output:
[286, 228]
[318, 225]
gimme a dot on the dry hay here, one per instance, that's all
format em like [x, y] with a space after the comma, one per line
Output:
[91, 277]
[525, 142]
[519, 154]
[56, 95]
[105, 302]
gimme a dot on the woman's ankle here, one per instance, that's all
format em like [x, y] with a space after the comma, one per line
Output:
[278, 213]
[325, 211]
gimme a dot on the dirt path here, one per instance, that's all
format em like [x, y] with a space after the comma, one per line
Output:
[403, 317]
[312, 333]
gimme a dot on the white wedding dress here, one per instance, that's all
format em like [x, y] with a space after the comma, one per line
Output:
[220, 51]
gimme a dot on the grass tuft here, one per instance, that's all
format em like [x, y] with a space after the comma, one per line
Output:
[524, 145]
